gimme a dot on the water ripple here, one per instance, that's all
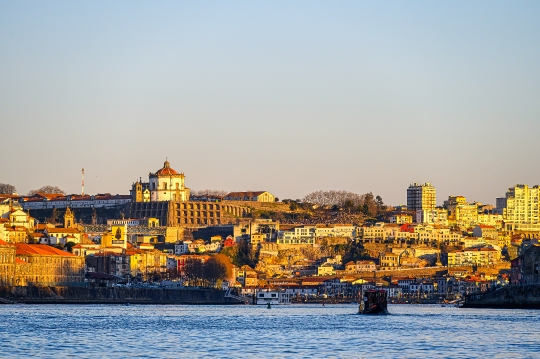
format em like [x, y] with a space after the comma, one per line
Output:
[295, 331]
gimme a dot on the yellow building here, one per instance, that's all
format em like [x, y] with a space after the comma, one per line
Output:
[401, 218]
[326, 269]
[473, 256]
[520, 207]
[145, 263]
[117, 237]
[247, 276]
[388, 260]
[16, 234]
[39, 264]
[522, 204]
[464, 214]
[20, 218]
[7, 263]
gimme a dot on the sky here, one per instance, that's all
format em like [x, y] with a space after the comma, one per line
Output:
[285, 96]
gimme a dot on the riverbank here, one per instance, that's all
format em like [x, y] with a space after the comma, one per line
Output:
[507, 297]
[113, 295]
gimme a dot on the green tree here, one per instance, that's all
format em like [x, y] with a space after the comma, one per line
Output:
[69, 246]
[245, 254]
[355, 252]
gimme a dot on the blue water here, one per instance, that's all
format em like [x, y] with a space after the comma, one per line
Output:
[293, 331]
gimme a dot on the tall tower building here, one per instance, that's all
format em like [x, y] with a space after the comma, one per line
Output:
[521, 205]
[421, 197]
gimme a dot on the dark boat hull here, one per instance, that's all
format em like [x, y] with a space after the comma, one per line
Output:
[374, 310]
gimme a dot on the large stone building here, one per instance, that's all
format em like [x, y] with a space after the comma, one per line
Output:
[40, 264]
[421, 197]
[166, 198]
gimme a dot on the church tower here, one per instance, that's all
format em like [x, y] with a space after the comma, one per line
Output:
[69, 219]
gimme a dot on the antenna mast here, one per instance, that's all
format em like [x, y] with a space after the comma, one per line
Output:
[82, 182]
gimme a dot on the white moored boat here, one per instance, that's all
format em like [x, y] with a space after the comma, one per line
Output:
[273, 297]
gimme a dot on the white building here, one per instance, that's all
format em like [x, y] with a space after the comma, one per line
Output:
[168, 185]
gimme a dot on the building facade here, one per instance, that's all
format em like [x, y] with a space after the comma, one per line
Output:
[421, 197]
[520, 208]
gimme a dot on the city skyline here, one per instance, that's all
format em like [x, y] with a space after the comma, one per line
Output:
[288, 98]
[439, 199]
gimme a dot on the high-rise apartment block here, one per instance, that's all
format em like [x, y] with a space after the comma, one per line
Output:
[520, 206]
[421, 197]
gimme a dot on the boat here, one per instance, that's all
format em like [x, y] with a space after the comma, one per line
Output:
[374, 302]
[272, 297]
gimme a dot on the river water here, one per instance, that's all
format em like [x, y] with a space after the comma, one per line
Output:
[292, 331]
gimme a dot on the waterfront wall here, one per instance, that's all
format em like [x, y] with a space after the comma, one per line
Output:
[115, 295]
[510, 297]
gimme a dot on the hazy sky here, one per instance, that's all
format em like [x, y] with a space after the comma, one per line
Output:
[289, 97]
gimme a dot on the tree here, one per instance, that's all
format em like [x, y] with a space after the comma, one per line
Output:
[213, 271]
[231, 253]
[7, 188]
[193, 271]
[54, 216]
[369, 206]
[69, 246]
[47, 189]
[244, 254]
[332, 198]
[229, 268]
[209, 192]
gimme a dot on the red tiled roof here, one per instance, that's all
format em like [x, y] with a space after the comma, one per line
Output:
[40, 249]
[3, 243]
[166, 170]
[47, 195]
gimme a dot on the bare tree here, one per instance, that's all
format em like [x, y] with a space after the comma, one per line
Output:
[193, 271]
[209, 192]
[333, 198]
[213, 271]
[7, 188]
[47, 189]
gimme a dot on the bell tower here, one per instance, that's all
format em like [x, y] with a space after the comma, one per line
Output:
[69, 219]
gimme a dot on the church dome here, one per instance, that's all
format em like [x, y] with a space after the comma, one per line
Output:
[166, 170]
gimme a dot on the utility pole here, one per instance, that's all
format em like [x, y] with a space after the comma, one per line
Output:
[82, 192]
